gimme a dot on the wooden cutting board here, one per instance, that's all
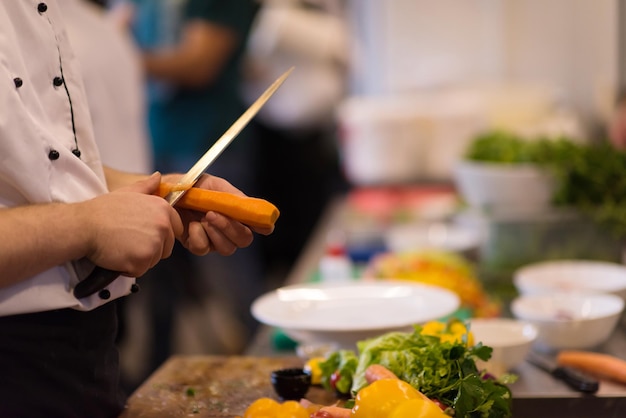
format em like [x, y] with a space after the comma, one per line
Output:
[211, 386]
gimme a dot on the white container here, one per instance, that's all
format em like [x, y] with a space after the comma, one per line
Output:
[571, 275]
[504, 188]
[402, 139]
[335, 265]
[570, 320]
[383, 141]
[510, 339]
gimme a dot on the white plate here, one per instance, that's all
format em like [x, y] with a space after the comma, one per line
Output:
[345, 313]
[571, 276]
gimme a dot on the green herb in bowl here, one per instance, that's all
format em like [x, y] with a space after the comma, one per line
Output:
[589, 177]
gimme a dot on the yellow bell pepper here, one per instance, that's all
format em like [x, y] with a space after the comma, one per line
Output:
[453, 331]
[378, 399]
[385, 398]
[417, 408]
[312, 366]
[269, 408]
[292, 409]
[434, 328]
[262, 407]
[394, 398]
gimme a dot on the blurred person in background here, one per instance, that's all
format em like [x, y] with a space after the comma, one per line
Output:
[114, 84]
[191, 54]
[298, 156]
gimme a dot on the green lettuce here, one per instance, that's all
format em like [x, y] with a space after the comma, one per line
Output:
[343, 362]
[445, 371]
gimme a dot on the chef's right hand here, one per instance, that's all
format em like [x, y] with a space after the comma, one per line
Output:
[130, 230]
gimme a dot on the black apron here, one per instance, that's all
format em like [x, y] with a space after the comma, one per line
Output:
[61, 363]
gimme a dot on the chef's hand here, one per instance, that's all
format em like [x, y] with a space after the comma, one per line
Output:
[212, 231]
[130, 230]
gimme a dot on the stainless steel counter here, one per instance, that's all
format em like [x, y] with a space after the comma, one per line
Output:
[535, 394]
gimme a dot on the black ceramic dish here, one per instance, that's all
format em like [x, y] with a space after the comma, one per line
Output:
[291, 384]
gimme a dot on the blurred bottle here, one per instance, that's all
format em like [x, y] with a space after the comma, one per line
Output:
[335, 265]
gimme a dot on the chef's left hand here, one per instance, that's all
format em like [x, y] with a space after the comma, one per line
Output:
[212, 231]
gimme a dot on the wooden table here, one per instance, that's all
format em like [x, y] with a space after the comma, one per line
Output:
[211, 387]
[224, 386]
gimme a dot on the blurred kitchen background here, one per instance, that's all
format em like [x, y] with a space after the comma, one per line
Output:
[457, 67]
[423, 80]
[426, 78]
[385, 100]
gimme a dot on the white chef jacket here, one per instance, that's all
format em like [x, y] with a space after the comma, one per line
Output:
[47, 148]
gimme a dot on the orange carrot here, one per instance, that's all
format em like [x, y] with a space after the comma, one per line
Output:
[337, 411]
[251, 211]
[603, 365]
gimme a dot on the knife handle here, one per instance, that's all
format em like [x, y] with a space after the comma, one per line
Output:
[97, 280]
[577, 380]
[250, 211]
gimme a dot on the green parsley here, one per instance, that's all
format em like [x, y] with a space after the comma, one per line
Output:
[444, 371]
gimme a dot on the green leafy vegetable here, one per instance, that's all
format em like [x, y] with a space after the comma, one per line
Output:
[342, 363]
[445, 371]
[500, 147]
[590, 177]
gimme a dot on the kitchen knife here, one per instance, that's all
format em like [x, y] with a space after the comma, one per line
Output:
[573, 378]
[100, 277]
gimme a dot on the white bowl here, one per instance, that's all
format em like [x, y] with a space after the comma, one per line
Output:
[571, 275]
[570, 320]
[504, 188]
[510, 339]
[345, 313]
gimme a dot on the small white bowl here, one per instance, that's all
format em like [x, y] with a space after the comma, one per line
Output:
[571, 275]
[504, 188]
[510, 339]
[570, 320]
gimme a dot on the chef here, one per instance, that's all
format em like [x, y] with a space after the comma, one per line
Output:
[61, 213]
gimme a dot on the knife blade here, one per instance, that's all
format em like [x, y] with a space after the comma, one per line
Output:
[575, 379]
[100, 277]
[194, 173]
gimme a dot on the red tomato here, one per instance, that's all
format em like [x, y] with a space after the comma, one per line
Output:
[334, 378]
